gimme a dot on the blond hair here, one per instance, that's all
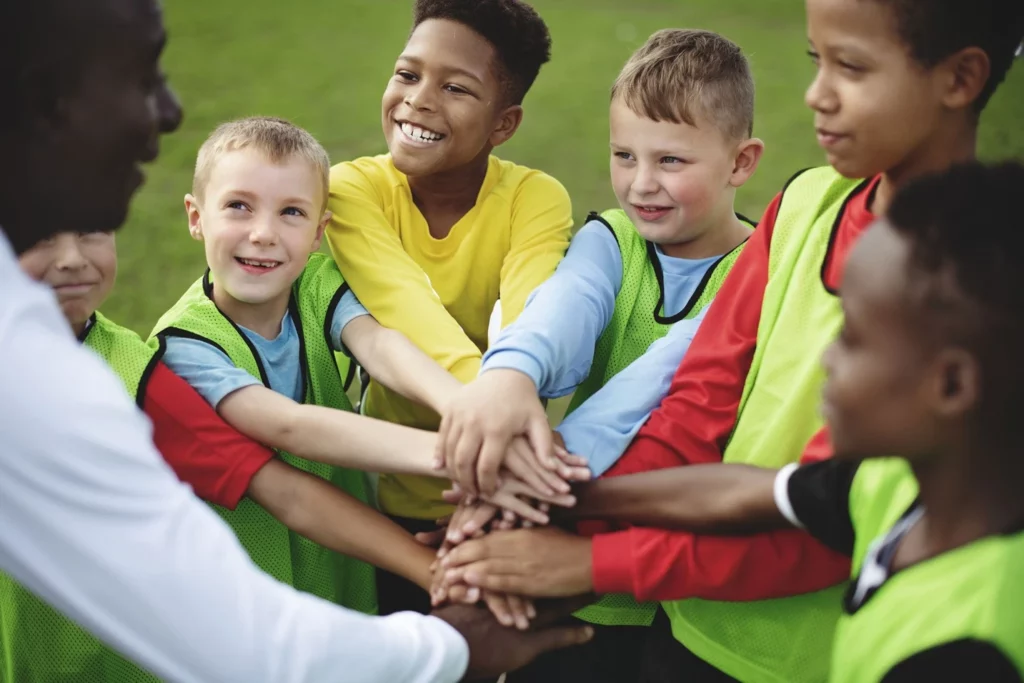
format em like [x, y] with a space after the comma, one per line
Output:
[683, 75]
[278, 139]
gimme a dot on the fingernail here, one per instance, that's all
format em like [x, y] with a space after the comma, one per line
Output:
[473, 594]
[445, 561]
[531, 611]
[588, 632]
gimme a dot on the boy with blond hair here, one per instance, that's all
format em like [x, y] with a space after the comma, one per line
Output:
[269, 334]
[617, 316]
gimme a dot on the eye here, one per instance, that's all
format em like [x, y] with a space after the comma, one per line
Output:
[672, 160]
[815, 57]
[406, 76]
[292, 211]
[625, 156]
[237, 205]
[851, 67]
[456, 89]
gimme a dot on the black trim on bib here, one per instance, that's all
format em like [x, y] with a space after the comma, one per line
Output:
[293, 312]
[328, 320]
[595, 216]
[835, 231]
[208, 290]
[652, 257]
[84, 334]
[147, 374]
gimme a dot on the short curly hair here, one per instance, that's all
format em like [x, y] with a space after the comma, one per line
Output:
[935, 29]
[964, 232]
[680, 75]
[518, 34]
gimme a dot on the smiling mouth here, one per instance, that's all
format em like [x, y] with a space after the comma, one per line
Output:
[257, 265]
[648, 212]
[419, 134]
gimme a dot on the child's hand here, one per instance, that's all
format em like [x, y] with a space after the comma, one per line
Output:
[510, 610]
[480, 422]
[545, 562]
[433, 539]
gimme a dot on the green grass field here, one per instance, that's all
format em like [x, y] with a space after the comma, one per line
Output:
[324, 65]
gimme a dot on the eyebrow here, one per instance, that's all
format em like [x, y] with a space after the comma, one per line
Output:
[446, 68]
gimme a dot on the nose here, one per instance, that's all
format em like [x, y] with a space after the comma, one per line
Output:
[418, 96]
[263, 233]
[168, 109]
[820, 95]
[69, 255]
[645, 181]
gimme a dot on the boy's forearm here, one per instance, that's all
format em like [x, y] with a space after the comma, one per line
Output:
[330, 517]
[345, 439]
[719, 498]
[415, 376]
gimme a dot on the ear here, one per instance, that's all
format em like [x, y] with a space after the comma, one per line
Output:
[507, 126]
[748, 155]
[965, 76]
[320, 227]
[956, 385]
[195, 221]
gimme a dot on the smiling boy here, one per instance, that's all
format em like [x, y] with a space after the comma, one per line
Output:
[432, 234]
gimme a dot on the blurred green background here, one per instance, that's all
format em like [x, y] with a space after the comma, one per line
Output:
[324, 64]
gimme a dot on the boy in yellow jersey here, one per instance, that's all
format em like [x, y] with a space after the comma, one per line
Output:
[431, 235]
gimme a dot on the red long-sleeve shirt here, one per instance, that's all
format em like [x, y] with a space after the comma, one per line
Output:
[693, 425]
[203, 450]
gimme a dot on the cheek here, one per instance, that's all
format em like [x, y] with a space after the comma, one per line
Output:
[621, 180]
[691, 189]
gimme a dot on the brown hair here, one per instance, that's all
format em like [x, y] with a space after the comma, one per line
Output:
[277, 138]
[680, 75]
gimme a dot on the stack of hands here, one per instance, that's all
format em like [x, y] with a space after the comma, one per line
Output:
[509, 468]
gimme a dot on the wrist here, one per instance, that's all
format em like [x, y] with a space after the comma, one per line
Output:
[516, 369]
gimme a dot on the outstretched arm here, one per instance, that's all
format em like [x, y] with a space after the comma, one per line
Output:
[327, 515]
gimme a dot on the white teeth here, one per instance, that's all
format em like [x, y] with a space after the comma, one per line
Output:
[259, 264]
[420, 134]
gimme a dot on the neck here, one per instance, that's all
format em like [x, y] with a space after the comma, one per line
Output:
[79, 328]
[935, 156]
[968, 498]
[264, 318]
[455, 189]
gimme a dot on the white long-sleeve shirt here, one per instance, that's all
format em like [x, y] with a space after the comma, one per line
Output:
[94, 522]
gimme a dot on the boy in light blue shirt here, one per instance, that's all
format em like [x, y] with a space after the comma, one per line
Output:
[614, 321]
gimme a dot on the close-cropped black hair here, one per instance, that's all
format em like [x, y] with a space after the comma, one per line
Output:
[966, 239]
[518, 34]
[936, 29]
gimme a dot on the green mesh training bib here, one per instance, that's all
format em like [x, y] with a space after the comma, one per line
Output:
[638, 320]
[37, 643]
[284, 554]
[973, 592]
[784, 640]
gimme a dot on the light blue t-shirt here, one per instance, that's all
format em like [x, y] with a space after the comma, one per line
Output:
[214, 376]
[554, 338]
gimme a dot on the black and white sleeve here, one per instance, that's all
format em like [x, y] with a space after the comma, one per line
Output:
[816, 497]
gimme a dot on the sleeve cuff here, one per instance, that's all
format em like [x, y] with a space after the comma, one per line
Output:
[512, 359]
[237, 483]
[611, 563]
[781, 491]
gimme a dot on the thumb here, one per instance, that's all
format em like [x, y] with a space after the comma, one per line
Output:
[557, 637]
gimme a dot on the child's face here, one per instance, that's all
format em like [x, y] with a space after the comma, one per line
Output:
[881, 375]
[80, 268]
[259, 221]
[875, 108]
[673, 180]
[444, 106]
